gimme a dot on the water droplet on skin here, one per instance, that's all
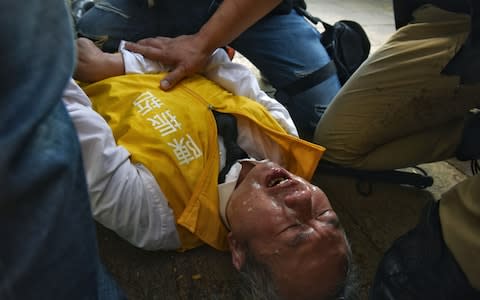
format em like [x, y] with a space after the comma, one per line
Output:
[275, 204]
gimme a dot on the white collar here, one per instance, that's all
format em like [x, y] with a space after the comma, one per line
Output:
[226, 189]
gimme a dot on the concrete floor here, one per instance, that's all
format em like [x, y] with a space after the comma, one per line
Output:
[372, 222]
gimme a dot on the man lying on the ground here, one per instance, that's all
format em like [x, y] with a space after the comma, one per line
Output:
[412, 102]
[153, 159]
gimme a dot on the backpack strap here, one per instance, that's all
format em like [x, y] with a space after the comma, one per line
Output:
[311, 80]
[303, 12]
[365, 178]
[315, 20]
[227, 129]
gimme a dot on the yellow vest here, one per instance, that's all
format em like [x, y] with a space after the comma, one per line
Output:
[174, 135]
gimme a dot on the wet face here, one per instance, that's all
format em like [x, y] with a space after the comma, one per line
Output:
[289, 225]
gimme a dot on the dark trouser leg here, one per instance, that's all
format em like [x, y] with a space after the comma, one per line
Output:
[49, 248]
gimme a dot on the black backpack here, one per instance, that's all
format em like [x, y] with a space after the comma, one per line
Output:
[345, 41]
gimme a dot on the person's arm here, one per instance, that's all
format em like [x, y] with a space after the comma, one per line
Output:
[124, 197]
[94, 65]
[231, 19]
[188, 54]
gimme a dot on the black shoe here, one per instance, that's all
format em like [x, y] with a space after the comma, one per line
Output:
[469, 147]
[419, 265]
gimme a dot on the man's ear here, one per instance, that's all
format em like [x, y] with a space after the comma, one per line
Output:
[238, 252]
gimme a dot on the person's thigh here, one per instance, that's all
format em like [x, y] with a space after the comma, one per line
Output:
[48, 248]
[398, 92]
[286, 48]
[111, 21]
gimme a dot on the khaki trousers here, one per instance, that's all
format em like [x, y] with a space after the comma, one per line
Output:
[398, 110]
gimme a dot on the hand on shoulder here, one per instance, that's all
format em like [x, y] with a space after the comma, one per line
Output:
[184, 55]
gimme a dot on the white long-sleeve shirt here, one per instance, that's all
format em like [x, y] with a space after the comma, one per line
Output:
[125, 197]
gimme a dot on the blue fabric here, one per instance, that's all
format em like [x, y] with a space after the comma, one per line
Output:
[48, 246]
[284, 47]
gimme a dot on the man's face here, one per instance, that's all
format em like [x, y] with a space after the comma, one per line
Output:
[289, 225]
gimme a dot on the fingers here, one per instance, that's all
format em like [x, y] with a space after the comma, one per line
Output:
[173, 77]
[178, 54]
[147, 51]
[158, 41]
[151, 48]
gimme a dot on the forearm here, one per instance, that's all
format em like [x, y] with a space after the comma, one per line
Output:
[231, 19]
[94, 65]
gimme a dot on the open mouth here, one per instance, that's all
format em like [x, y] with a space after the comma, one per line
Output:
[277, 177]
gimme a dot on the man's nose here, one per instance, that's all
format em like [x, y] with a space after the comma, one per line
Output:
[301, 204]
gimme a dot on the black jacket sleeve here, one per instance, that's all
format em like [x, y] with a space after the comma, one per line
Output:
[403, 9]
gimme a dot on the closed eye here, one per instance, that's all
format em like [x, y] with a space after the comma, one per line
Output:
[291, 226]
[330, 220]
[298, 223]
[322, 213]
[300, 237]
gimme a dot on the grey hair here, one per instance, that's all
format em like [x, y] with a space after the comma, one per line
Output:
[348, 288]
[257, 281]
